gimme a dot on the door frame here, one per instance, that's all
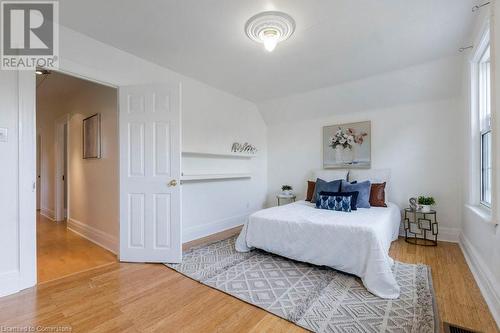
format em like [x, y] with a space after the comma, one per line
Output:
[27, 275]
[129, 70]
[38, 171]
[59, 214]
[27, 181]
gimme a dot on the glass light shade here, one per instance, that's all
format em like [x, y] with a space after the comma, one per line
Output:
[270, 38]
[270, 44]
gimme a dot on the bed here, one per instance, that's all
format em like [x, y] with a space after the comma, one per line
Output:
[357, 242]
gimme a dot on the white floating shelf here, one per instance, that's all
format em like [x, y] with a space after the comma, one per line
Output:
[214, 154]
[215, 176]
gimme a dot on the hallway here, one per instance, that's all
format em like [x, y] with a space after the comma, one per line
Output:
[62, 252]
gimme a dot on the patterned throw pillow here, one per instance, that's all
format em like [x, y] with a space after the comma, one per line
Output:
[354, 197]
[339, 203]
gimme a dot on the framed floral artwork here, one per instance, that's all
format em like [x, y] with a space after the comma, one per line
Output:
[347, 146]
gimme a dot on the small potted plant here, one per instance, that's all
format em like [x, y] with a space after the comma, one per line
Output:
[425, 203]
[286, 190]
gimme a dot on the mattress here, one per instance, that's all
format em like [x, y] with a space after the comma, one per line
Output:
[357, 242]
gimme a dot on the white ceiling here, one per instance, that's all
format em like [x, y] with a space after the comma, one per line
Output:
[335, 40]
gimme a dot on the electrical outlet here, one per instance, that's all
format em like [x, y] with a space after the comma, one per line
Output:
[3, 134]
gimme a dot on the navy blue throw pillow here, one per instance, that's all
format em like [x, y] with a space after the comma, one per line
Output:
[341, 203]
[324, 186]
[364, 192]
[354, 196]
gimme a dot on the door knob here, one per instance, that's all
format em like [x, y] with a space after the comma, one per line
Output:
[173, 182]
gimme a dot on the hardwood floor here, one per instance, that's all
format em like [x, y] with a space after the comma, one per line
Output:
[458, 297]
[123, 297]
[62, 252]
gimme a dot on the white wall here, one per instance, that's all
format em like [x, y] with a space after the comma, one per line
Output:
[94, 183]
[90, 58]
[211, 122]
[480, 238]
[417, 140]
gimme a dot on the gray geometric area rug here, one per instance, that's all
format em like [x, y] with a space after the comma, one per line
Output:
[316, 298]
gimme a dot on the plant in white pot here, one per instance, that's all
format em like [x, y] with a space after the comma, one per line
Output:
[425, 203]
[286, 189]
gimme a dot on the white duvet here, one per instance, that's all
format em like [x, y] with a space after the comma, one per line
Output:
[357, 242]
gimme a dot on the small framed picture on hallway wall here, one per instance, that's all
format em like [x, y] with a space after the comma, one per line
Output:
[92, 137]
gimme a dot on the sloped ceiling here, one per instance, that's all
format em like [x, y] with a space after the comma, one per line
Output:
[436, 80]
[336, 41]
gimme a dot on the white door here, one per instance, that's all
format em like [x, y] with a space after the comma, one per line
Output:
[150, 169]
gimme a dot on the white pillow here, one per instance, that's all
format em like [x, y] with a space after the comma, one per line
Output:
[330, 175]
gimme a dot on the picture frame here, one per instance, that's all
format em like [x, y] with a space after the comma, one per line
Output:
[347, 146]
[91, 128]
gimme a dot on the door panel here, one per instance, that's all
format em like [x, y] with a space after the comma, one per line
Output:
[162, 149]
[162, 219]
[136, 149]
[136, 219]
[150, 157]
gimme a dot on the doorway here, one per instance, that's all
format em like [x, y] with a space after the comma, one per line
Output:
[78, 197]
[154, 113]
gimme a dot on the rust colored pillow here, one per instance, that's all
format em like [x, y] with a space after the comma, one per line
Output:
[377, 195]
[310, 190]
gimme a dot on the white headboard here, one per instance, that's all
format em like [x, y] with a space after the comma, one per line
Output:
[330, 175]
[373, 175]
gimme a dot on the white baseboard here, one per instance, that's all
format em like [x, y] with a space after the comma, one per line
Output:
[490, 289]
[449, 234]
[9, 283]
[200, 231]
[48, 213]
[94, 235]
[445, 234]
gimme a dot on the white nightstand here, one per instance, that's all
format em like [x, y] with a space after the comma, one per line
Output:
[289, 197]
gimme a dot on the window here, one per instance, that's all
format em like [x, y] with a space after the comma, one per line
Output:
[484, 106]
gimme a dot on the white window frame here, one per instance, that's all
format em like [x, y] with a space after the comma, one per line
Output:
[478, 128]
[484, 94]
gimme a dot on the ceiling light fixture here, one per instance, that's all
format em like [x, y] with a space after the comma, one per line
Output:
[270, 28]
[41, 71]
